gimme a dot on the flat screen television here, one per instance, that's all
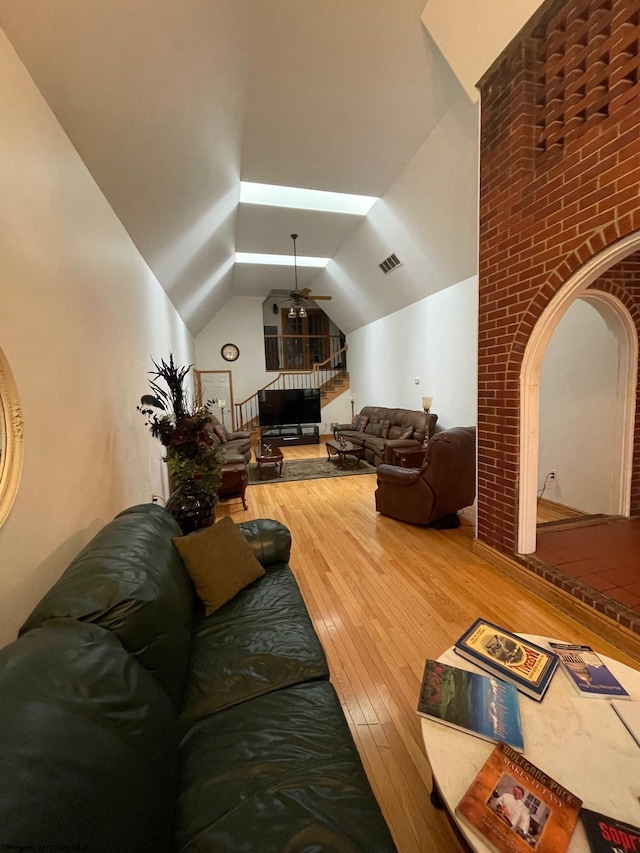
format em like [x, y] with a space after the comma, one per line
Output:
[289, 406]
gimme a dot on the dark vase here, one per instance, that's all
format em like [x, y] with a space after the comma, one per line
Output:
[192, 507]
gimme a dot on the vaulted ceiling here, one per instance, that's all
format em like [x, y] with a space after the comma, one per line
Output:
[170, 103]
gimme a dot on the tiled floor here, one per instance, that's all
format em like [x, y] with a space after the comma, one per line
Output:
[598, 560]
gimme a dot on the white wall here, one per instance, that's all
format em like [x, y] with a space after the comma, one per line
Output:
[81, 317]
[578, 428]
[434, 340]
[428, 217]
[455, 24]
[241, 322]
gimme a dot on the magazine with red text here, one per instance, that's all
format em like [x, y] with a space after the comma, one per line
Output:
[526, 665]
[608, 835]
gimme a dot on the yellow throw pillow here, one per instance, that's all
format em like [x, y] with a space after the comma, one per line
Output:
[220, 562]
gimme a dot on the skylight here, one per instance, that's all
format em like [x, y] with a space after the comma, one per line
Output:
[279, 260]
[271, 194]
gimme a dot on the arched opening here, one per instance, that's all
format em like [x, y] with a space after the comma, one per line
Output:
[582, 426]
[617, 316]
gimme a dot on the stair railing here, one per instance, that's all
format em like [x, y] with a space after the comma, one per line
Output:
[324, 375]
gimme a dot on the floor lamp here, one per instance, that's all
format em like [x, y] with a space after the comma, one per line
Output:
[426, 408]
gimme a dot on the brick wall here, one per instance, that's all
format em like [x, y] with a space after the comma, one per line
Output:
[559, 182]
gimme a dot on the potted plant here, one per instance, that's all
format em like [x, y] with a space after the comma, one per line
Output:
[194, 458]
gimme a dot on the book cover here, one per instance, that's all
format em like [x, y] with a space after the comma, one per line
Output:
[589, 675]
[474, 703]
[608, 835]
[526, 665]
[629, 713]
[517, 808]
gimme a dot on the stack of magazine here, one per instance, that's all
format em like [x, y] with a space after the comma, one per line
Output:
[515, 805]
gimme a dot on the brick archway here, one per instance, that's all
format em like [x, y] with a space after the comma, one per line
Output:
[575, 287]
[559, 176]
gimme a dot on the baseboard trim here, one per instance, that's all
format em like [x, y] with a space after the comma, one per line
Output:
[609, 629]
[554, 506]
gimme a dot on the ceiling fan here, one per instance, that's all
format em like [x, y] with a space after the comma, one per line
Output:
[300, 297]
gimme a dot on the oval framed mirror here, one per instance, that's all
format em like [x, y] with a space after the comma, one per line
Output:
[10, 439]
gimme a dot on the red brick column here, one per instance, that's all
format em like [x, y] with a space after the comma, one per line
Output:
[559, 182]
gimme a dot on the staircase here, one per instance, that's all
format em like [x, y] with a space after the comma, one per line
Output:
[332, 381]
[333, 387]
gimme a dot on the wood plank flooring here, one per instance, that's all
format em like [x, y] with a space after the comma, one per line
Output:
[383, 597]
[552, 511]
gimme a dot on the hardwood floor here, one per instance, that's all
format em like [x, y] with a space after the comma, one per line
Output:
[384, 596]
[551, 511]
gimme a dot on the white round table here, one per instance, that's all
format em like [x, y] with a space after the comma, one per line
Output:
[580, 742]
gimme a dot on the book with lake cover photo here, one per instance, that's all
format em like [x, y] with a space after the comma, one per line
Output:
[477, 704]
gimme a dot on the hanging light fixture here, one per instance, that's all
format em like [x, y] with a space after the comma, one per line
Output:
[297, 309]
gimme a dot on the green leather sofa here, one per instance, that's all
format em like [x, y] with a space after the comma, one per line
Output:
[129, 721]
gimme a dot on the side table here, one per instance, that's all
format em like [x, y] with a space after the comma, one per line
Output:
[409, 457]
[234, 482]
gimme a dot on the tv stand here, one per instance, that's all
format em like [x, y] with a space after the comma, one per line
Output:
[291, 434]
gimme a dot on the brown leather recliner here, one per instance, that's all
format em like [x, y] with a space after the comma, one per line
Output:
[445, 483]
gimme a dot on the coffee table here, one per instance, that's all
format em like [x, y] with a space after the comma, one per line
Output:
[335, 448]
[579, 742]
[268, 453]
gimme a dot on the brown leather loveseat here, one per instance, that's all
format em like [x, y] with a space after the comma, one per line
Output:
[380, 430]
[444, 484]
[237, 445]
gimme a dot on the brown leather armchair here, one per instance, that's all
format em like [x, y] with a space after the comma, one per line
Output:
[445, 483]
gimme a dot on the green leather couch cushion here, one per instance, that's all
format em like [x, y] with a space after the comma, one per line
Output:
[131, 580]
[260, 641]
[88, 745]
[269, 539]
[278, 773]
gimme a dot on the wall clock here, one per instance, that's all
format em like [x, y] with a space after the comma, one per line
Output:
[230, 352]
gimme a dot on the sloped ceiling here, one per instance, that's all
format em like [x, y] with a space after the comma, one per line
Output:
[171, 103]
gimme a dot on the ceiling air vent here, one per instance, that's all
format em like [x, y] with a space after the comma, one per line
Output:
[390, 264]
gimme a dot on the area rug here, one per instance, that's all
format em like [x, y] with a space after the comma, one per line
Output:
[307, 469]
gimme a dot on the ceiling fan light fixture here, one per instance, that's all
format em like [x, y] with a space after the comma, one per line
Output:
[298, 309]
[299, 306]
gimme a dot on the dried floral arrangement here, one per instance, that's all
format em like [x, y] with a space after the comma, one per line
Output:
[184, 429]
